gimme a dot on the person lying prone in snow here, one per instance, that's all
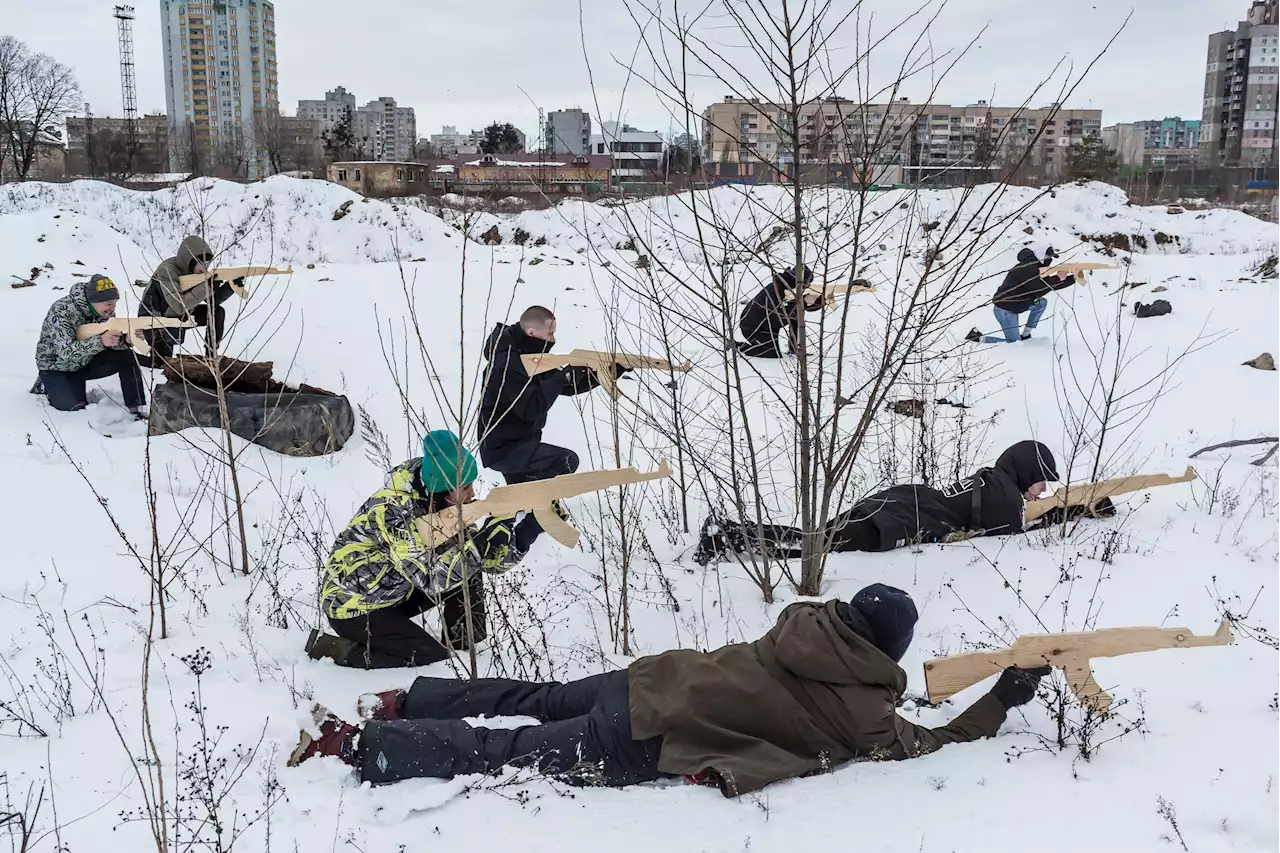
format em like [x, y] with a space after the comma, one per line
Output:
[819, 689]
[989, 503]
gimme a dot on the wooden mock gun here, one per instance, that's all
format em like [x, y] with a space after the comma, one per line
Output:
[1089, 495]
[1070, 652]
[229, 275]
[536, 497]
[601, 362]
[131, 327]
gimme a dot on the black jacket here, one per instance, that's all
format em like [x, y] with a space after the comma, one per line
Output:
[513, 407]
[1023, 284]
[769, 310]
[990, 501]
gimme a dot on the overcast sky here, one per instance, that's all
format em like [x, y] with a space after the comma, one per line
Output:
[464, 62]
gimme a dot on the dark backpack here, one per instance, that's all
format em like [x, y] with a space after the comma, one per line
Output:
[1152, 309]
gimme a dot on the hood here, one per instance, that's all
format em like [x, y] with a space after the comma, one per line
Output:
[191, 249]
[1028, 462]
[505, 336]
[81, 301]
[815, 644]
[1028, 256]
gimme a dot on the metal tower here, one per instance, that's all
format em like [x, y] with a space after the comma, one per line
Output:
[128, 85]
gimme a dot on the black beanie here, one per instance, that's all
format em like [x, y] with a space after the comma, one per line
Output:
[891, 615]
[100, 289]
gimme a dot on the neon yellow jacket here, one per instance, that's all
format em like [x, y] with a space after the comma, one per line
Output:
[379, 559]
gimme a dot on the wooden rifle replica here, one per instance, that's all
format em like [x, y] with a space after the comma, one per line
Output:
[505, 501]
[830, 292]
[1089, 495]
[131, 327]
[1080, 271]
[1070, 652]
[601, 362]
[229, 275]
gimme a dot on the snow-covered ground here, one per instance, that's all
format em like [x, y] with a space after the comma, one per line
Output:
[1202, 724]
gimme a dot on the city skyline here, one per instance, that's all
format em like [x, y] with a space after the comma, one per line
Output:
[1157, 59]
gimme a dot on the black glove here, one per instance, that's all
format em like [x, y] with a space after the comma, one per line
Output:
[494, 537]
[1017, 686]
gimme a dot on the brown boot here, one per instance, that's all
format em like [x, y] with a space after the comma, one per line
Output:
[337, 738]
[380, 706]
[321, 645]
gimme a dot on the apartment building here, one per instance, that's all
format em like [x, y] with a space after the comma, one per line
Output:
[97, 145]
[636, 155]
[390, 131]
[1158, 143]
[220, 69]
[567, 132]
[919, 137]
[337, 105]
[1238, 123]
[450, 143]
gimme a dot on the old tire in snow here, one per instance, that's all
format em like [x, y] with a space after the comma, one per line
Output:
[292, 423]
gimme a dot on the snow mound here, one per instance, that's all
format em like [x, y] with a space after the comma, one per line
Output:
[281, 220]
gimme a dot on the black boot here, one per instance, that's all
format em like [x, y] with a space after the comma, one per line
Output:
[321, 645]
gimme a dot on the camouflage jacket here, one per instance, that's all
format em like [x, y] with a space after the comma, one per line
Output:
[380, 558]
[57, 348]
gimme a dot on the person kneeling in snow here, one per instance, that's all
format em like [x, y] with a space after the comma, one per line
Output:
[989, 503]
[65, 363]
[164, 297]
[819, 689]
[770, 310]
[381, 573]
[1023, 290]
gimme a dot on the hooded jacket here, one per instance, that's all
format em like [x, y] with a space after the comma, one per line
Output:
[810, 694]
[514, 406]
[164, 296]
[1023, 285]
[57, 347]
[380, 557]
[989, 502]
[769, 310]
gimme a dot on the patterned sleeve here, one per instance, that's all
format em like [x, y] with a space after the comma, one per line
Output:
[59, 337]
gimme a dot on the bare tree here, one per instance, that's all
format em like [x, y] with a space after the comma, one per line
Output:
[36, 91]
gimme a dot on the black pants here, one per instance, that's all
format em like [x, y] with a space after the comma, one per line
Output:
[720, 538]
[537, 462]
[389, 637]
[764, 342]
[584, 735]
[163, 341]
[66, 389]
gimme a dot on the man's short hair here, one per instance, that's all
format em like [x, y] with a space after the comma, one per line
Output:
[535, 316]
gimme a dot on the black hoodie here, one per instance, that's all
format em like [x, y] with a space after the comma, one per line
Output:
[513, 407]
[769, 310]
[990, 501]
[1023, 284]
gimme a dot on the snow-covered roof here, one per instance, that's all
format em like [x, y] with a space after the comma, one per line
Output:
[521, 163]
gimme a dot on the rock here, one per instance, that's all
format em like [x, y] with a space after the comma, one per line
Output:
[1266, 361]
[78, 263]
[541, 241]
[35, 273]
[1267, 269]
[1163, 239]
[520, 237]
[418, 260]
[343, 210]
[40, 239]
[492, 237]
[929, 226]
[311, 266]
[1158, 308]
[533, 262]
[1111, 242]
[1028, 230]
[1159, 288]
[48, 265]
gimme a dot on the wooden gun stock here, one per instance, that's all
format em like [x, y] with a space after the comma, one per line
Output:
[1090, 494]
[229, 275]
[1070, 652]
[131, 327]
[601, 362]
[536, 497]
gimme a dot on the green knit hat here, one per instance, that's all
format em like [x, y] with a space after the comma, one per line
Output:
[446, 464]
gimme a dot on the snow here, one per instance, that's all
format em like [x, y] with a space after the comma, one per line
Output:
[523, 164]
[1208, 740]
